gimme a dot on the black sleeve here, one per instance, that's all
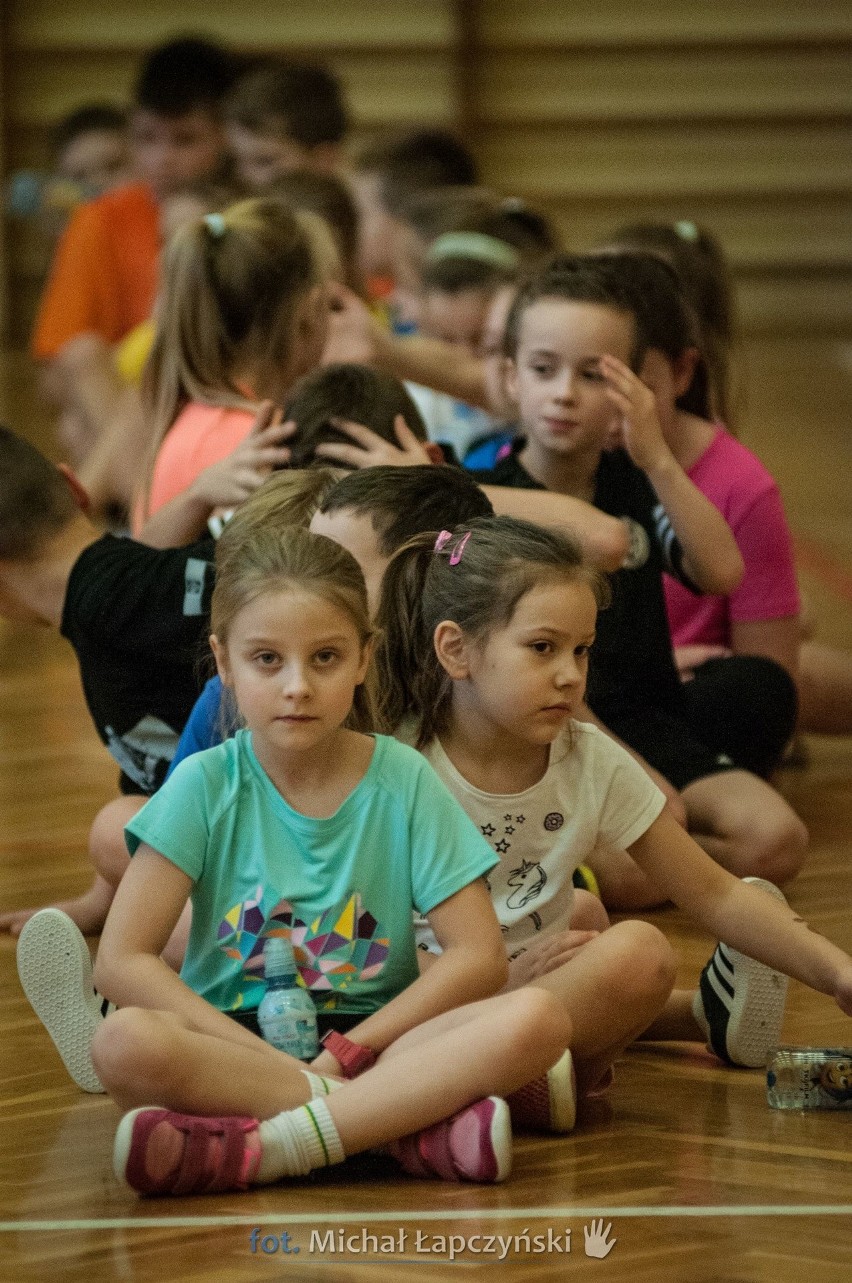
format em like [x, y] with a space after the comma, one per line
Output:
[124, 594]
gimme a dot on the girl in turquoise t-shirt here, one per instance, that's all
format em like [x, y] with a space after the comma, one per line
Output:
[305, 825]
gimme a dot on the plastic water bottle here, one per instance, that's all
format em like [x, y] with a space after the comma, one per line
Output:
[286, 1015]
[810, 1078]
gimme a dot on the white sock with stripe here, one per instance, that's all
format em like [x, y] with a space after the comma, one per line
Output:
[321, 1086]
[296, 1141]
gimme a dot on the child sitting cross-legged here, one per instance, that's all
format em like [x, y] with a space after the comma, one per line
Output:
[304, 816]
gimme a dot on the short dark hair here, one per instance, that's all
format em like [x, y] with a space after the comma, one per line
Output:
[346, 391]
[100, 117]
[579, 278]
[404, 502]
[414, 161]
[184, 75]
[302, 100]
[36, 501]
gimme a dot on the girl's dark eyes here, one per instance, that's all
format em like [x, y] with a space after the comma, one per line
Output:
[325, 657]
[593, 376]
[542, 647]
[582, 651]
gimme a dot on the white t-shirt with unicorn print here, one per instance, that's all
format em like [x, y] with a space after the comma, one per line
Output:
[592, 791]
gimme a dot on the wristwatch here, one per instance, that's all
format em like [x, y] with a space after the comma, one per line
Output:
[351, 1056]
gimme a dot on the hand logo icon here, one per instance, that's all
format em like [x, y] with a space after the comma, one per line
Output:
[598, 1242]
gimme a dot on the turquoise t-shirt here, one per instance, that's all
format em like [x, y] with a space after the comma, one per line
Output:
[342, 888]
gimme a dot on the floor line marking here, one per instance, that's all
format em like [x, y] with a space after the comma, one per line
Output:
[370, 1217]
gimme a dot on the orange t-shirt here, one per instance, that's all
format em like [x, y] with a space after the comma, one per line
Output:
[200, 435]
[104, 275]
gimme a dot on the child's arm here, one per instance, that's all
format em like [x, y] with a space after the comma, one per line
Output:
[743, 916]
[712, 559]
[356, 335]
[223, 485]
[129, 970]
[605, 539]
[472, 966]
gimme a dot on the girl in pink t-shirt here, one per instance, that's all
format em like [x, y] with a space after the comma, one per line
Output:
[762, 617]
[243, 315]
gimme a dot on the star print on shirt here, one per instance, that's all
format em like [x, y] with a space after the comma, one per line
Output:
[502, 846]
[488, 830]
[507, 818]
[510, 828]
[519, 819]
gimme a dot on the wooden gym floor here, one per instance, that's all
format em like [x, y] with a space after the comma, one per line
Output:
[699, 1180]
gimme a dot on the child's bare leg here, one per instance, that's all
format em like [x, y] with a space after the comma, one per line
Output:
[676, 1022]
[612, 990]
[746, 826]
[492, 1047]
[108, 854]
[825, 689]
[623, 885]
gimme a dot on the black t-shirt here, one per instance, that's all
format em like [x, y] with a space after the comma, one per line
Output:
[138, 618]
[632, 664]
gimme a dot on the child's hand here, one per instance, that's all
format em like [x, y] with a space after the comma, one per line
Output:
[544, 956]
[354, 335]
[639, 430]
[228, 482]
[370, 450]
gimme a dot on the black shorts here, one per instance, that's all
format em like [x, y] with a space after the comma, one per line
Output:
[736, 714]
[667, 743]
[341, 1022]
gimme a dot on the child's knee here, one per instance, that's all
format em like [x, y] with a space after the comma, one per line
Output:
[644, 965]
[131, 1047]
[107, 847]
[779, 846]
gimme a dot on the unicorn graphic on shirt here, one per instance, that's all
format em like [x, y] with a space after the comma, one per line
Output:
[529, 880]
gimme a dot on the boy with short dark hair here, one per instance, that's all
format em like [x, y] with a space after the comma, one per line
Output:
[391, 170]
[284, 115]
[103, 278]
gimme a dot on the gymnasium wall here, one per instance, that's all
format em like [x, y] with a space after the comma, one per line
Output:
[733, 113]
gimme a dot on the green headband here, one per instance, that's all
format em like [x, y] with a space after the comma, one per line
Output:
[475, 245]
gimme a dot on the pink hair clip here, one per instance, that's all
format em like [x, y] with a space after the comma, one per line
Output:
[456, 555]
[441, 541]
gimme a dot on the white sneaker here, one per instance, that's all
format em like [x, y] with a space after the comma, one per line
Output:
[739, 1004]
[55, 970]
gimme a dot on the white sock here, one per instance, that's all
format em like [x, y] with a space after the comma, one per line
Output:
[296, 1141]
[321, 1086]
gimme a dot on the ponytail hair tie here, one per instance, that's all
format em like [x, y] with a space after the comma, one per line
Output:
[215, 225]
[442, 540]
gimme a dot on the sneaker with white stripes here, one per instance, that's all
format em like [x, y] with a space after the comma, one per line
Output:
[55, 970]
[739, 1004]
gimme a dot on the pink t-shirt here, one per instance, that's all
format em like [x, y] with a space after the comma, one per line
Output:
[738, 484]
[200, 435]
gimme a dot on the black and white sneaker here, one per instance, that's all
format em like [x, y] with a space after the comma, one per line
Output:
[739, 1004]
[55, 971]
